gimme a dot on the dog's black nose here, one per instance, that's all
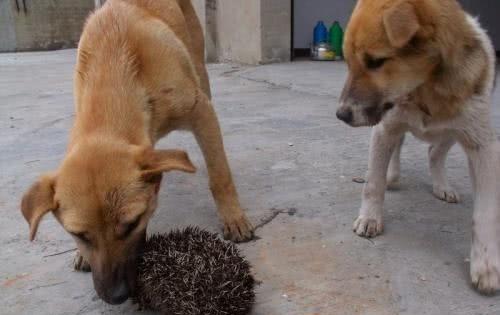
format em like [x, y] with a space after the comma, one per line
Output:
[119, 294]
[345, 115]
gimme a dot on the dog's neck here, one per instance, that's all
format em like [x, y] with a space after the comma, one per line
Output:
[463, 71]
[111, 111]
[109, 100]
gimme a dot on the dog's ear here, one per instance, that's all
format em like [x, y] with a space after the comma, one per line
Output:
[401, 23]
[154, 162]
[38, 201]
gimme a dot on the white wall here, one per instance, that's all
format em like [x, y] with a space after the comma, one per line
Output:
[238, 31]
[248, 31]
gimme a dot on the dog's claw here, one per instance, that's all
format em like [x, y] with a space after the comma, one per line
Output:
[367, 227]
[446, 194]
[80, 264]
[238, 230]
[486, 285]
[485, 275]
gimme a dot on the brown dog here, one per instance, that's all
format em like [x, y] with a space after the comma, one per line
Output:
[140, 74]
[426, 67]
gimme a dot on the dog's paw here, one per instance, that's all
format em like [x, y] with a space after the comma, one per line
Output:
[485, 275]
[367, 227]
[446, 194]
[80, 264]
[238, 230]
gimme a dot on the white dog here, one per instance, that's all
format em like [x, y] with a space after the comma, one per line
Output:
[426, 67]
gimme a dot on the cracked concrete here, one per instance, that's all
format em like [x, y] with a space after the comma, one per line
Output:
[275, 213]
[287, 152]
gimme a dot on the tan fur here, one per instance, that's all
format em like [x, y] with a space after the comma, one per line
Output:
[441, 56]
[425, 67]
[140, 74]
[401, 24]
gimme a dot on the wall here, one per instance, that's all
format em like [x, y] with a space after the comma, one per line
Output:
[211, 30]
[238, 35]
[43, 24]
[488, 13]
[7, 27]
[309, 12]
[276, 30]
[248, 31]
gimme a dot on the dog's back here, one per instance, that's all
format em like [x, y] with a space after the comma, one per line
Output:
[180, 16]
[131, 48]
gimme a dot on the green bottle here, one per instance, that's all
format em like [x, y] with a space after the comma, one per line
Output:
[336, 38]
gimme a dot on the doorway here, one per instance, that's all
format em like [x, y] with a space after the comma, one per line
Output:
[305, 15]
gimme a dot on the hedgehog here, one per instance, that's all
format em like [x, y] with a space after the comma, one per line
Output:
[193, 272]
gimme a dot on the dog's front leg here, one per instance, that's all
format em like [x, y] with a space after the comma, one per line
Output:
[394, 171]
[206, 129]
[485, 251]
[383, 141]
[80, 263]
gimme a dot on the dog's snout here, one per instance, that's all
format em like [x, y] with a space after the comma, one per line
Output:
[119, 294]
[114, 286]
[345, 115]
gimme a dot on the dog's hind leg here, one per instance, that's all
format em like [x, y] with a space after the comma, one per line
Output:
[437, 159]
[395, 166]
[206, 129]
[197, 44]
[383, 142]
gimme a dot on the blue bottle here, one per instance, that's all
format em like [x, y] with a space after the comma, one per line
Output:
[320, 33]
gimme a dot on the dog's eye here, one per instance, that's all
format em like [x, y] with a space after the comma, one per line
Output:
[129, 228]
[82, 237]
[374, 63]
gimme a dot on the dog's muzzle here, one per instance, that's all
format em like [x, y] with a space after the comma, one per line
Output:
[345, 114]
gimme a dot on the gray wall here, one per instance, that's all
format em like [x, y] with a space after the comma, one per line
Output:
[7, 27]
[309, 12]
[276, 30]
[45, 24]
[488, 12]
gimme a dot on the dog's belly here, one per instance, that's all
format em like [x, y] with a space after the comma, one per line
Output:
[430, 136]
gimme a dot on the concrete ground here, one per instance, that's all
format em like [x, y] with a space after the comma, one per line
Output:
[293, 163]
